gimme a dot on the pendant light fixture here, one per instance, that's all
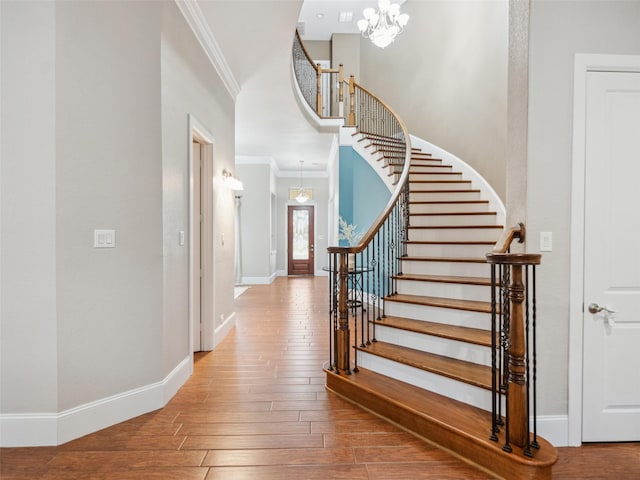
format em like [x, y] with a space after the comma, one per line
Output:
[302, 196]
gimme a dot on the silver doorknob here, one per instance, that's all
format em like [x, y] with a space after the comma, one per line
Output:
[595, 308]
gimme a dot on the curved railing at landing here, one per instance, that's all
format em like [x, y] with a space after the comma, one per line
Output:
[375, 260]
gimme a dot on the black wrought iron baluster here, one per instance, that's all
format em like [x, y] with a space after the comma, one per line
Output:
[367, 276]
[506, 318]
[527, 448]
[355, 307]
[495, 397]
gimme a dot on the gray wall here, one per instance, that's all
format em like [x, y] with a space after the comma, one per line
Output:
[190, 85]
[95, 98]
[560, 29]
[446, 77]
[318, 49]
[256, 219]
[28, 316]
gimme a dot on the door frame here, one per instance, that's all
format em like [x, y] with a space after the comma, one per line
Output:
[292, 203]
[198, 132]
[584, 63]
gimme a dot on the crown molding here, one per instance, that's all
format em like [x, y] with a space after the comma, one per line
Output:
[198, 24]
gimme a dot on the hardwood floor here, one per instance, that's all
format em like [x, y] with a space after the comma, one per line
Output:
[256, 408]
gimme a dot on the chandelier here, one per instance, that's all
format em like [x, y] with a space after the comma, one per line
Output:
[381, 27]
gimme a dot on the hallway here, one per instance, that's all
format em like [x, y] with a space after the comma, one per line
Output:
[256, 408]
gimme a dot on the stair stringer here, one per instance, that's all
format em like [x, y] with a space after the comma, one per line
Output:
[348, 139]
[468, 172]
[439, 231]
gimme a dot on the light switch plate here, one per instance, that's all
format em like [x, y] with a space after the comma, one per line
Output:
[104, 238]
[546, 241]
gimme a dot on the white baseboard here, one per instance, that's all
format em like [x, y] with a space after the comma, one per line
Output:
[222, 331]
[37, 430]
[554, 429]
[259, 280]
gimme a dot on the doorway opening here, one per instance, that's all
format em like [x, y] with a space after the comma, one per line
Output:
[300, 240]
[201, 272]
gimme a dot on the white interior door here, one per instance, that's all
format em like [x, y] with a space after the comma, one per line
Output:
[611, 357]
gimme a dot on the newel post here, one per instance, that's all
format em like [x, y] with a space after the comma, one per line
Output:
[515, 314]
[343, 334]
[517, 397]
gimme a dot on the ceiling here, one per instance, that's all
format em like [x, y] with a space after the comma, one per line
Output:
[255, 37]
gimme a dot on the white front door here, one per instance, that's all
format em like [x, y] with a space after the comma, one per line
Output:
[611, 343]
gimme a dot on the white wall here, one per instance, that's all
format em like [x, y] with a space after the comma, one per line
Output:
[256, 221]
[108, 176]
[446, 77]
[190, 86]
[95, 97]
[560, 29]
[28, 347]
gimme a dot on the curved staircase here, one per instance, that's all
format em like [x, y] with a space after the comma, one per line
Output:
[427, 365]
[433, 349]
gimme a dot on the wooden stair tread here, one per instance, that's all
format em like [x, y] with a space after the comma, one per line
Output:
[444, 279]
[453, 182]
[440, 202]
[440, 214]
[445, 259]
[460, 370]
[475, 336]
[454, 303]
[450, 424]
[498, 227]
[466, 190]
[452, 242]
[429, 165]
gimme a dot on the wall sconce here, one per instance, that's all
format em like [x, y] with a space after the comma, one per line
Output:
[230, 181]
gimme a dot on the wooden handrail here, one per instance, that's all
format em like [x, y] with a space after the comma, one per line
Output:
[404, 178]
[304, 50]
[507, 237]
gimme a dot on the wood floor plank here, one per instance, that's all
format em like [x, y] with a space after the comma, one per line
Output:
[279, 456]
[307, 472]
[221, 442]
[245, 428]
[246, 391]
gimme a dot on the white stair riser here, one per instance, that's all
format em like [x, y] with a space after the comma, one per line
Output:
[470, 394]
[454, 234]
[439, 186]
[440, 346]
[444, 290]
[444, 250]
[447, 207]
[451, 316]
[433, 176]
[446, 268]
[419, 196]
[454, 220]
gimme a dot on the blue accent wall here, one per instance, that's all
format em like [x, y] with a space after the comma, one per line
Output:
[363, 194]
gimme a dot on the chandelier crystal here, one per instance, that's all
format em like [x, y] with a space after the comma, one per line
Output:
[381, 27]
